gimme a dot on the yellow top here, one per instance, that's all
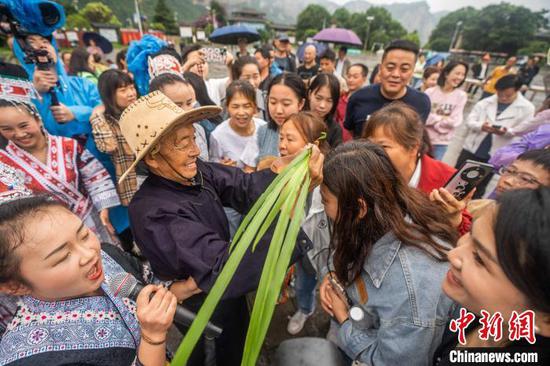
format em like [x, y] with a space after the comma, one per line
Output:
[497, 73]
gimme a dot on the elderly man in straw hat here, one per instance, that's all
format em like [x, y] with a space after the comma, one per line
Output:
[177, 215]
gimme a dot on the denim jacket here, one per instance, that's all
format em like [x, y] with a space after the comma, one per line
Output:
[406, 311]
[316, 227]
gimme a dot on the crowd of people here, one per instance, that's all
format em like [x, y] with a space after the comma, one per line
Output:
[146, 169]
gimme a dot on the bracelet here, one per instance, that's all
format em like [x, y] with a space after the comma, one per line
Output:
[151, 342]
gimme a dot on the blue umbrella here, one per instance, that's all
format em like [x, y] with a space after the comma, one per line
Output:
[321, 48]
[435, 58]
[231, 34]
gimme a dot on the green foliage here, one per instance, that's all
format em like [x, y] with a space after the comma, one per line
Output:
[220, 12]
[413, 37]
[500, 28]
[285, 198]
[165, 16]
[69, 6]
[124, 9]
[96, 12]
[266, 34]
[342, 18]
[534, 46]
[157, 26]
[77, 21]
[312, 17]
[383, 28]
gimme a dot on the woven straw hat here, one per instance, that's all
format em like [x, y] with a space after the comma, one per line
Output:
[144, 122]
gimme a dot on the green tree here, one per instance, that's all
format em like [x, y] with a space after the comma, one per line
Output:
[534, 46]
[266, 34]
[77, 21]
[499, 28]
[220, 12]
[342, 18]
[157, 26]
[69, 6]
[381, 28]
[503, 27]
[165, 16]
[312, 17]
[96, 12]
[413, 37]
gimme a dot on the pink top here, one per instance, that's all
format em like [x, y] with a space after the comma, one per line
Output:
[445, 115]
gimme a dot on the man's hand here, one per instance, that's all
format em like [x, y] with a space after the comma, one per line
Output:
[486, 127]
[44, 80]
[62, 113]
[228, 162]
[185, 289]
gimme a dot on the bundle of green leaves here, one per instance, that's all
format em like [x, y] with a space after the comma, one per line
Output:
[286, 198]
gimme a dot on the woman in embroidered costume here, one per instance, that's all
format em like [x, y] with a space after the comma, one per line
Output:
[59, 165]
[67, 313]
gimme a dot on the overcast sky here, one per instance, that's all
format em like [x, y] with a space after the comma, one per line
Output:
[437, 5]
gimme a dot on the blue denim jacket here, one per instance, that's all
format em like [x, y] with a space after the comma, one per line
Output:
[406, 311]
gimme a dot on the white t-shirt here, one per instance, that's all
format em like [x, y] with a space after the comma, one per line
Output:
[200, 139]
[216, 89]
[225, 143]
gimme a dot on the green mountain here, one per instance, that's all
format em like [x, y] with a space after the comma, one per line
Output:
[124, 9]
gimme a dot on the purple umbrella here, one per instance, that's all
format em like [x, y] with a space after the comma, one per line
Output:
[338, 35]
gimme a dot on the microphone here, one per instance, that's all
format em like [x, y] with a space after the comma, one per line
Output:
[126, 285]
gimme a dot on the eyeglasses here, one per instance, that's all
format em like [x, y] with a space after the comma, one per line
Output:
[523, 179]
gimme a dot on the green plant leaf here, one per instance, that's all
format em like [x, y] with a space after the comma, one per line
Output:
[275, 274]
[285, 195]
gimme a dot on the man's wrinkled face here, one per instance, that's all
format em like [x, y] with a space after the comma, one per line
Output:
[177, 155]
[309, 54]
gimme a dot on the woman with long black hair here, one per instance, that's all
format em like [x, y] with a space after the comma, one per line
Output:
[389, 253]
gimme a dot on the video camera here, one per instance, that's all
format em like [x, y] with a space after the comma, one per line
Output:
[23, 18]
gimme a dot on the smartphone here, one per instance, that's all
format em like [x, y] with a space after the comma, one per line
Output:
[214, 54]
[498, 127]
[339, 289]
[470, 174]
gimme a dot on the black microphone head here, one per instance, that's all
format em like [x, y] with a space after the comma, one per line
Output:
[124, 285]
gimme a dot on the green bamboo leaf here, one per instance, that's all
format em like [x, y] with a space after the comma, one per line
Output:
[275, 186]
[260, 323]
[281, 195]
[266, 279]
[269, 267]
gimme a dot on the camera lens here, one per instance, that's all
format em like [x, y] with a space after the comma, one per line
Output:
[50, 14]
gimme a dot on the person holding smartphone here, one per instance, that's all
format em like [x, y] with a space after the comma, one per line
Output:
[389, 248]
[530, 170]
[494, 122]
[399, 130]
